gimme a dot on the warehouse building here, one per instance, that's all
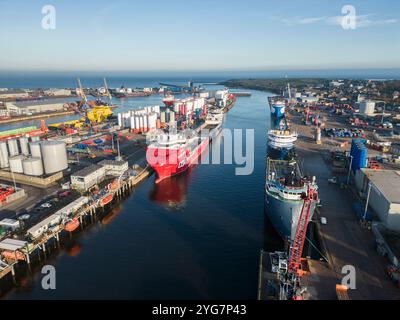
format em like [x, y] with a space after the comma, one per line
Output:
[114, 167]
[57, 92]
[13, 94]
[88, 177]
[384, 198]
[31, 107]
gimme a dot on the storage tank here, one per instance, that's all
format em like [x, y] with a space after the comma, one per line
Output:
[54, 155]
[12, 147]
[32, 166]
[35, 138]
[141, 123]
[120, 119]
[35, 149]
[137, 123]
[16, 164]
[163, 117]
[145, 123]
[152, 121]
[23, 143]
[3, 155]
[132, 122]
[172, 117]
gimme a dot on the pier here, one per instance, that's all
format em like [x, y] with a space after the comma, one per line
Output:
[25, 254]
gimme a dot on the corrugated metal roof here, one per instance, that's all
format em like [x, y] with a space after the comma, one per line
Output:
[87, 171]
[387, 182]
[12, 244]
[26, 104]
[112, 162]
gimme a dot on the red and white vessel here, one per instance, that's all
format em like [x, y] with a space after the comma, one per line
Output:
[174, 152]
[169, 100]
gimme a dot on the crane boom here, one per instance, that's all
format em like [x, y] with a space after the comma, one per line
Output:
[83, 95]
[107, 90]
[296, 248]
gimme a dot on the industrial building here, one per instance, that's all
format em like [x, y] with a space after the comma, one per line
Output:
[88, 177]
[13, 94]
[114, 167]
[367, 107]
[31, 107]
[57, 92]
[383, 187]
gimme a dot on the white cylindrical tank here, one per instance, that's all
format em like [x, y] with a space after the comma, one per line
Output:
[33, 166]
[163, 117]
[3, 155]
[133, 122]
[172, 117]
[35, 149]
[137, 122]
[120, 119]
[13, 147]
[35, 138]
[145, 123]
[16, 164]
[141, 123]
[152, 121]
[23, 143]
[54, 155]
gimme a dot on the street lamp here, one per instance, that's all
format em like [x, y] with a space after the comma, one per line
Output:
[348, 174]
[366, 203]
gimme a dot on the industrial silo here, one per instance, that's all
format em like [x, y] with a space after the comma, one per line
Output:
[16, 164]
[12, 147]
[33, 166]
[35, 149]
[3, 155]
[35, 138]
[23, 143]
[133, 122]
[54, 155]
[137, 123]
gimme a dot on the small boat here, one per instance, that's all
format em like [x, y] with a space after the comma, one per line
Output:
[106, 200]
[72, 225]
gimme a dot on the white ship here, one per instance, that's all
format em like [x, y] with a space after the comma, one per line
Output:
[282, 139]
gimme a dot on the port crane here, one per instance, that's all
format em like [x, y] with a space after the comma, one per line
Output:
[82, 93]
[290, 282]
[107, 90]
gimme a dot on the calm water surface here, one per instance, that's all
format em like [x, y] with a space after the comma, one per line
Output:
[195, 236]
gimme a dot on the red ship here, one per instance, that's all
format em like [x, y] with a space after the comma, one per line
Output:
[174, 152]
[169, 101]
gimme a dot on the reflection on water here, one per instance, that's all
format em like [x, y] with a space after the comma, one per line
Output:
[112, 215]
[172, 192]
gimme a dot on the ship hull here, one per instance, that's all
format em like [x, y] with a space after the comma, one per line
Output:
[278, 111]
[284, 214]
[167, 170]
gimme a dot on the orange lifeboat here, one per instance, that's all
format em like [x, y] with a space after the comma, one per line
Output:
[113, 185]
[10, 255]
[106, 200]
[72, 225]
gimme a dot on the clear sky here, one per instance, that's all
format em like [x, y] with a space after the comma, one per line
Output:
[193, 35]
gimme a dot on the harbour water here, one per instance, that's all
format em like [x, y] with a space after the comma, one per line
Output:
[198, 235]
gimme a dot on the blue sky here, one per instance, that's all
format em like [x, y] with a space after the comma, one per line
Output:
[188, 35]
